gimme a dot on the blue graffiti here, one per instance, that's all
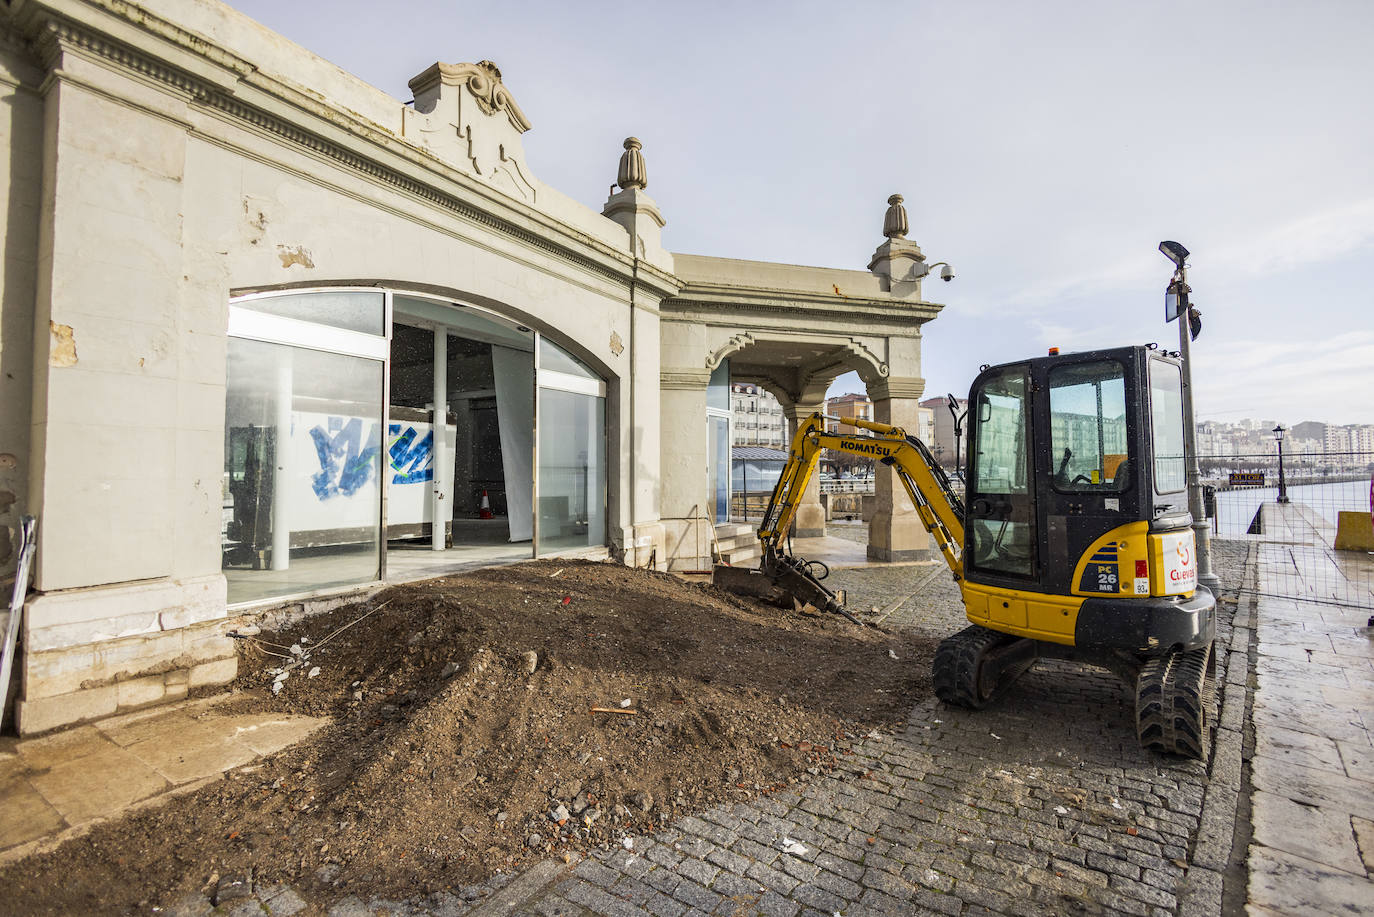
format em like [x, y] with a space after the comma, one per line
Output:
[412, 455]
[345, 464]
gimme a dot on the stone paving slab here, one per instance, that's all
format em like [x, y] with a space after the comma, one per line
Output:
[68, 781]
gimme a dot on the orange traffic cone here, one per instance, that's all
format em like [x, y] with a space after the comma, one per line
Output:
[485, 511]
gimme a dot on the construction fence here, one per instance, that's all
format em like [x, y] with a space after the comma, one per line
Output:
[1317, 521]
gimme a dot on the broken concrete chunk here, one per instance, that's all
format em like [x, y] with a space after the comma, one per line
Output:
[231, 888]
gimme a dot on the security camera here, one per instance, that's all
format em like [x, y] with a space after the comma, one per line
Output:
[946, 273]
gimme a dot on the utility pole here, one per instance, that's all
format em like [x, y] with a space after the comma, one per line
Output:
[1178, 291]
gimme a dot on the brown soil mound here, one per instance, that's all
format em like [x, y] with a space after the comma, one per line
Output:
[449, 760]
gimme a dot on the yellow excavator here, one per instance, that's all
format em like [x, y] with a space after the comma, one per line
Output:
[1072, 540]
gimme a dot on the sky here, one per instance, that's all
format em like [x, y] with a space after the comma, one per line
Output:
[1044, 149]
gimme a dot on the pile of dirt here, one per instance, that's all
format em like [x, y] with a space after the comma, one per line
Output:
[488, 720]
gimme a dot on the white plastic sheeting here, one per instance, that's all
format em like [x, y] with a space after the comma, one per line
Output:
[514, 372]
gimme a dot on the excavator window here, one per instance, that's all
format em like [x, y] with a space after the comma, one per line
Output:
[1001, 513]
[1088, 436]
[1166, 425]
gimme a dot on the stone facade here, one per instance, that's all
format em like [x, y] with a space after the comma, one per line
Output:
[164, 157]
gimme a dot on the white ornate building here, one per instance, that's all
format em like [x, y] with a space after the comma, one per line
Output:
[267, 329]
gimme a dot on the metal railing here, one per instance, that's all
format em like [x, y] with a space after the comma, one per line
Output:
[855, 486]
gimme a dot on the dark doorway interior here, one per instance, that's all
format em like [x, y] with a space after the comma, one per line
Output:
[476, 478]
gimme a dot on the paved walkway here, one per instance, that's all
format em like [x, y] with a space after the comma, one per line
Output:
[1312, 850]
[58, 786]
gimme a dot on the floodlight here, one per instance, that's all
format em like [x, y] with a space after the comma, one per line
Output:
[1174, 252]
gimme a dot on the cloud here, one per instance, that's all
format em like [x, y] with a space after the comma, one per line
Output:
[1266, 250]
[1327, 379]
[1311, 239]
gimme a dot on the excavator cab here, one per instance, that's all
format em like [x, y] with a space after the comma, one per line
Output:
[1076, 504]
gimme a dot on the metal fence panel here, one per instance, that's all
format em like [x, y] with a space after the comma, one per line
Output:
[1320, 523]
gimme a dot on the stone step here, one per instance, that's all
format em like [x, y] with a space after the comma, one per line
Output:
[742, 556]
[748, 540]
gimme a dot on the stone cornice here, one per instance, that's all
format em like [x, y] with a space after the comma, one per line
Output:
[209, 77]
[746, 300]
[684, 379]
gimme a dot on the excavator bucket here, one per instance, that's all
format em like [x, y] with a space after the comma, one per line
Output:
[782, 580]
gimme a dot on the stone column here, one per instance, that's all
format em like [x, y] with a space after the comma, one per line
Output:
[810, 522]
[683, 377]
[895, 533]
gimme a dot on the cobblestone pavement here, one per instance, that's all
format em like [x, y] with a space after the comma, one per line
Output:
[1044, 804]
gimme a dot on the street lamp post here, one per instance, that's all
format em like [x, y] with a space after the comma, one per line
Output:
[1176, 306]
[1283, 485]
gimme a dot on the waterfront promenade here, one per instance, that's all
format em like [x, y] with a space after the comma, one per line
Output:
[1312, 764]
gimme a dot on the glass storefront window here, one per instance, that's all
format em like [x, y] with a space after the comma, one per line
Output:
[302, 508]
[718, 388]
[553, 358]
[353, 310]
[572, 471]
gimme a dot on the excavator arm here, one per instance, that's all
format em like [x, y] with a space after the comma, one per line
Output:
[928, 487]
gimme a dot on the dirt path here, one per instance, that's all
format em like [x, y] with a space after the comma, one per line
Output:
[464, 741]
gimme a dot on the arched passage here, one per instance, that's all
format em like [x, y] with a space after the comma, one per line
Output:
[791, 331]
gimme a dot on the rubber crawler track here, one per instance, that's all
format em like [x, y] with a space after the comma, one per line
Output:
[957, 663]
[1172, 703]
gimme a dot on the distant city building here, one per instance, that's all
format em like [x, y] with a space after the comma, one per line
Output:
[1337, 447]
[941, 439]
[756, 417]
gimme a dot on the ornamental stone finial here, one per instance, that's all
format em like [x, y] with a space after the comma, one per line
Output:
[894, 221]
[632, 173]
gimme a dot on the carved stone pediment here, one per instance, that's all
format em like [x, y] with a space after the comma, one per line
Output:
[465, 116]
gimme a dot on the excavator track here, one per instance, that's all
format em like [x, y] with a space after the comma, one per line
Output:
[969, 670]
[1173, 703]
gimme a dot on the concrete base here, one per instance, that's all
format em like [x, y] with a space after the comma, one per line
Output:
[897, 539]
[688, 544]
[90, 653]
[642, 546]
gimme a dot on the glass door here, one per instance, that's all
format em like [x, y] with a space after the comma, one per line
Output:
[1001, 507]
[718, 466]
[571, 449]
